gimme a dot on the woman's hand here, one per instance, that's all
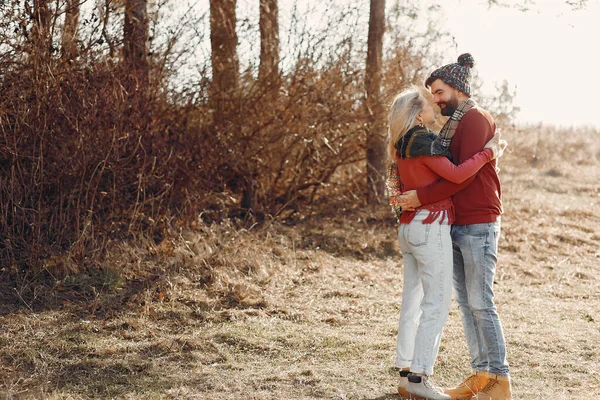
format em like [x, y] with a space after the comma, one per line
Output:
[496, 144]
[409, 200]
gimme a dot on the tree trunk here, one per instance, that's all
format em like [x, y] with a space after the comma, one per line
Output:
[135, 44]
[71, 30]
[41, 30]
[268, 71]
[225, 64]
[376, 135]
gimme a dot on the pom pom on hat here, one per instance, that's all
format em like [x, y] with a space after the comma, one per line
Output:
[466, 60]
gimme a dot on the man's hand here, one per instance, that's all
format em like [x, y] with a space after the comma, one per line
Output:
[409, 200]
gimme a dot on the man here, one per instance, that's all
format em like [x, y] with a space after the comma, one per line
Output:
[475, 233]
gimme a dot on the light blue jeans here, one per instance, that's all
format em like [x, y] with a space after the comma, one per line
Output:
[475, 249]
[426, 293]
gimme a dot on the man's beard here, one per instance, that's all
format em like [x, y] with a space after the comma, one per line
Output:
[449, 107]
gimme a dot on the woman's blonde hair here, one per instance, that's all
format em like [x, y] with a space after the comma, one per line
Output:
[403, 116]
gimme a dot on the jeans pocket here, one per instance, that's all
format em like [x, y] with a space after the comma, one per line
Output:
[418, 234]
[478, 230]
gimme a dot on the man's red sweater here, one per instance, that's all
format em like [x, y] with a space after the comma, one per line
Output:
[478, 199]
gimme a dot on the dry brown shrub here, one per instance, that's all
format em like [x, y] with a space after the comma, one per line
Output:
[79, 165]
[84, 162]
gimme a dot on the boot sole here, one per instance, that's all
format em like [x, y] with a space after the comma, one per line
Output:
[408, 396]
[465, 397]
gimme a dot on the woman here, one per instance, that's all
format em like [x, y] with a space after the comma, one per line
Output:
[417, 159]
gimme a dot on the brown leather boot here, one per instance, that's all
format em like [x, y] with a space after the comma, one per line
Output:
[469, 387]
[497, 388]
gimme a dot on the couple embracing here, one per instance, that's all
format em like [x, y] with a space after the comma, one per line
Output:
[446, 193]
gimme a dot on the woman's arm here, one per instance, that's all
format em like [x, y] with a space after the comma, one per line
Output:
[471, 134]
[458, 173]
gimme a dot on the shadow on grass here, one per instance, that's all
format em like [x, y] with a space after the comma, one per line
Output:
[117, 358]
[121, 379]
[96, 295]
[88, 340]
[90, 379]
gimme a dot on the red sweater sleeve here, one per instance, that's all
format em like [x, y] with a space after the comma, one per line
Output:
[473, 132]
[458, 173]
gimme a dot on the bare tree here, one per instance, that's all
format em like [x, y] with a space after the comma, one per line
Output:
[70, 30]
[41, 29]
[375, 119]
[225, 64]
[135, 43]
[268, 72]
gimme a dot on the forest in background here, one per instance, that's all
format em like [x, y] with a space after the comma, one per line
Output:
[114, 127]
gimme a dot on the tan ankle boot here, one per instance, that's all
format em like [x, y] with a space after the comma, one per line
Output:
[497, 388]
[469, 387]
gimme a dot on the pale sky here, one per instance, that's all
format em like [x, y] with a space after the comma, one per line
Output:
[549, 54]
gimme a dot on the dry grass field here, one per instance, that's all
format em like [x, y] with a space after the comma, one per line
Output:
[308, 310]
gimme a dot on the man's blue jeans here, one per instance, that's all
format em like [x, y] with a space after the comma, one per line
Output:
[475, 249]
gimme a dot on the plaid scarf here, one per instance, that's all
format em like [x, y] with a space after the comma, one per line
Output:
[449, 128]
[419, 142]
